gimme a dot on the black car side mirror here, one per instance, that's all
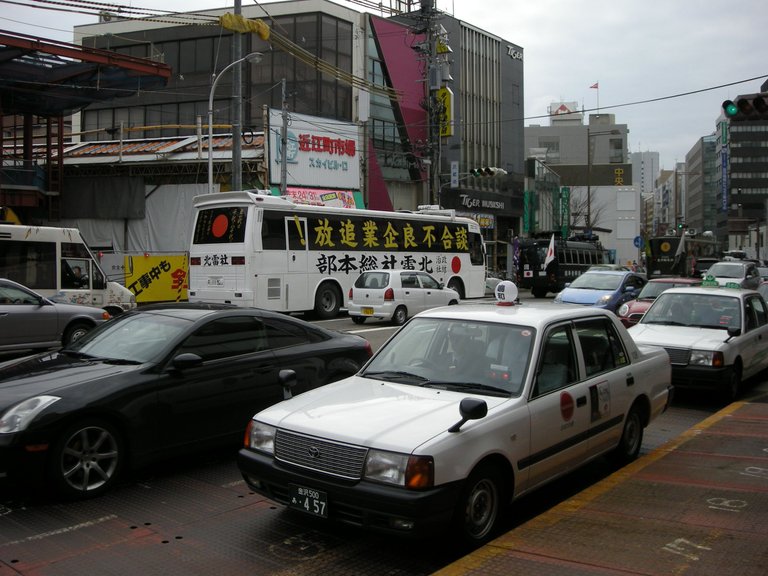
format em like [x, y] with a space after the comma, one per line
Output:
[186, 361]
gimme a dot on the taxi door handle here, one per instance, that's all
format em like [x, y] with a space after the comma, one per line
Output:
[630, 380]
[581, 401]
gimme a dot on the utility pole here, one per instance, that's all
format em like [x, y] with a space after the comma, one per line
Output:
[284, 144]
[237, 107]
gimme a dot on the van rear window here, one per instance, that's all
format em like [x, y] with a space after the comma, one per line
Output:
[220, 225]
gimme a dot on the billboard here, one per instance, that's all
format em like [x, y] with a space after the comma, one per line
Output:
[319, 151]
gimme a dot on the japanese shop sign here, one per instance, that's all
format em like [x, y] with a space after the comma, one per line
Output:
[318, 151]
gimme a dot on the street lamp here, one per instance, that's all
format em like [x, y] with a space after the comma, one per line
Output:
[252, 57]
[589, 174]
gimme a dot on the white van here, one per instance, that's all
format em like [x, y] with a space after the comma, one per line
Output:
[56, 263]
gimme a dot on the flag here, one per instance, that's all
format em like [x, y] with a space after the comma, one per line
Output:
[595, 85]
[680, 254]
[550, 252]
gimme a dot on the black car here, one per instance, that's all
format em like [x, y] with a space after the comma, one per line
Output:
[153, 383]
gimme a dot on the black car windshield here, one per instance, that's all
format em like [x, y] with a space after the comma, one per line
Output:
[133, 338]
[476, 357]
[695, 310]
[589, 281]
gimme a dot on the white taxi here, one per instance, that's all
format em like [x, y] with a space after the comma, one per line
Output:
[464, 409]
[715, 337]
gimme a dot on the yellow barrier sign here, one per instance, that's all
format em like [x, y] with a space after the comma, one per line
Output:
[157, 278]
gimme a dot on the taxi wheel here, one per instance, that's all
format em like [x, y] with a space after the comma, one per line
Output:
[86, 460]
[479, 507]
[631, 439]
[399, 316]
[733, 385]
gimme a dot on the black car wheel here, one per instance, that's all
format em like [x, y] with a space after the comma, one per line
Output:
[86, 460]
[631, 439]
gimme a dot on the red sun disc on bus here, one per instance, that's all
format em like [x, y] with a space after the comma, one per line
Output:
[220, 225]
[566, 406]
[456, 264]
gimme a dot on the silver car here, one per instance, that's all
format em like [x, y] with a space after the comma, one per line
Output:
[396, 295]
[745, 274]
[29, 320]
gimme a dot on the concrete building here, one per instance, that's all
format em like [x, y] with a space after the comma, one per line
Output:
[459, 102]
[591, 159]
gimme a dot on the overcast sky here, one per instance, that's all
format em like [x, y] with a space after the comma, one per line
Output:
[635, 50]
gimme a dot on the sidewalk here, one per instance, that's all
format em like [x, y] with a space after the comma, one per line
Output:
[697, 505]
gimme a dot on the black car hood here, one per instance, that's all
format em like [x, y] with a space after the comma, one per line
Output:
[52, 373]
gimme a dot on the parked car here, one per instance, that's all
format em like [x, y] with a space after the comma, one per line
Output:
[464, 409]
[607, 289]
[30, 321]
[630, 312]
[396, 295]
[156, 382]
[715, 337]
[763, 289]
[763, 272]
[738, 272]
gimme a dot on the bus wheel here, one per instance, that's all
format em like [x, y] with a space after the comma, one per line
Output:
[327, 301]
[456, 284]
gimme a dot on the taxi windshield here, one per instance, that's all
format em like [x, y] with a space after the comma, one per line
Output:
[475, 357]
[695, 310]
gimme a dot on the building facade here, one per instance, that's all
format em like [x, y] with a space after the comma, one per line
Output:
[455, 109]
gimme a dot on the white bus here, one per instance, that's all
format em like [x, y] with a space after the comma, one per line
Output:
[253, 249]
[55, 262]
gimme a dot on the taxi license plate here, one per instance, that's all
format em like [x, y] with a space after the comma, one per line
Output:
[309, 500]
[367, 311]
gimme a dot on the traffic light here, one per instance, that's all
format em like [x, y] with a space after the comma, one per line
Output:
[487, 171]
[747, 107]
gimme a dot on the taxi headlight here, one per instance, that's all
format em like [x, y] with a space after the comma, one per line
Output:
[623, 310]
[260, 436]
[19, 416]
[413, 472]
[706, 358]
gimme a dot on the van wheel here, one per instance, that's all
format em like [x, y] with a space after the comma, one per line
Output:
[327, 301]
[400, 316]
[539, 292]
[358, 319]
[479, 507]
[75, 332]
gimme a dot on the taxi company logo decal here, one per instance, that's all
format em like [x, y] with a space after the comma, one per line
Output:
[567, 406]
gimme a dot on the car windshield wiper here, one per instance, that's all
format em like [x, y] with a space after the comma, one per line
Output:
[395, 376]
[467, 387]
[665, 322]
[125, 361]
